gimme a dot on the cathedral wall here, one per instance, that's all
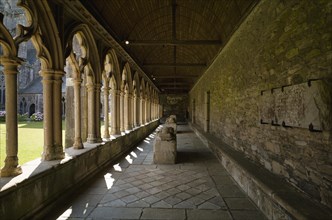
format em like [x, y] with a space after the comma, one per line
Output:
[268, 93]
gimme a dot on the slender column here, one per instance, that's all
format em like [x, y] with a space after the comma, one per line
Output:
[58, 152]
[135, 111]
[91, 114]
[143, 111]
[138, 110]
[122, 124]
[106, 119]
[130, 110]
[117, 118]
[114, 120]
[147, 110]
[11, 167]
[77, 112]
[126, 111]
[97, 115]
[47, 81]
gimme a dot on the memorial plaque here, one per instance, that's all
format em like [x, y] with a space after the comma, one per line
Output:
[280, 106]
[294, 111]
[266, 107]
[305, 105]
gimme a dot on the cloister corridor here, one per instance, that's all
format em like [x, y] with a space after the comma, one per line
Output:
[243, 88]
[196, 187]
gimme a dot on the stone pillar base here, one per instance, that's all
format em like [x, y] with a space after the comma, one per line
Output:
[56, 155]
[91, 140]
[78, 143]
[11, 167]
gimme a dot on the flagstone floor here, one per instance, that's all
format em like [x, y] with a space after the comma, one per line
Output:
[197, 187]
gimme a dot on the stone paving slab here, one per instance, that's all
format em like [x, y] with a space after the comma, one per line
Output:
[197, 187]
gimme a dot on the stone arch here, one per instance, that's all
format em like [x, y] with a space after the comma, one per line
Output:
[126, 98]
[111, 66]
[83, 56]
[49, 51]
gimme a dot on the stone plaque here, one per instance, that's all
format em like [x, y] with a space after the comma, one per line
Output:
[305, 105]
[266, 109]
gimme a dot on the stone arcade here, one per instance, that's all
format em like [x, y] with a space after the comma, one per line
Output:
[251, 79]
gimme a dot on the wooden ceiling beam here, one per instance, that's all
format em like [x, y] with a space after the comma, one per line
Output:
[176, 77]
[172, 83]
[175, 88]
[174, 65]
[172, 42]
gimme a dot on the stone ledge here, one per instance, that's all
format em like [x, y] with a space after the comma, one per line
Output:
[45, 184]
[276, 198]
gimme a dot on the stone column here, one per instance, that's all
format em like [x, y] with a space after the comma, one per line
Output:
[114, 121]
[11, 167]
[106, 119]
[130, 112]
[143, 111]
[117, 111]
[135, 111]
[77, 114]
[147, 104]
[47, 81]
[126, 111]
[138, 110]
[122, 124]
[97, 115]
[91, 114]
[58, 152]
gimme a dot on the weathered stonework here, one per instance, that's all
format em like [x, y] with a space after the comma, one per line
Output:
[171, 122]
[174, 104]
[164, 148]
[281, 44]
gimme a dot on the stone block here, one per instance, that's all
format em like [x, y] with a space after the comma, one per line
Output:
[164, 148]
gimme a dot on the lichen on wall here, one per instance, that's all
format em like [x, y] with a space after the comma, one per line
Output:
[280, 44]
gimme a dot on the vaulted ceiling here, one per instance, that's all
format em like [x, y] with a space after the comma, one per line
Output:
[173, 41]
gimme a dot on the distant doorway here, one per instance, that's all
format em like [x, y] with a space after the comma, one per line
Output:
[207, 112]
[32, 109]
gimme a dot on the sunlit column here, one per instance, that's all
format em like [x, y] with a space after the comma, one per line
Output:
[11, 167]
[122, 125]
[58, 152]
[106, 119]
[129, 115]
[135, 110]
[126, 111]
[77, 114]
[48, 82]
[91, 114]
[117, 108]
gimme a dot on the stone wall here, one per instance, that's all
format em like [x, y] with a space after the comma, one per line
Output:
[44, 185]
[174, 104]
[268, 93]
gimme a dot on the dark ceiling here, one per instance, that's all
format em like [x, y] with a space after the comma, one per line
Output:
[173, 41]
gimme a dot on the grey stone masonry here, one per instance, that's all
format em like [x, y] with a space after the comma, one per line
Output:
[164, 148]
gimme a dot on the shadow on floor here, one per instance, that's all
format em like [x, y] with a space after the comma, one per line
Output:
[192, 157]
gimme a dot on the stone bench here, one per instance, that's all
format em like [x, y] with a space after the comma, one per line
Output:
[164, 148]
[275, 197]
[171, 122]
